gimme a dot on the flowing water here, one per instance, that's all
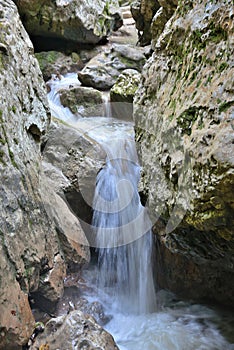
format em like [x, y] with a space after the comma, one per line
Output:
[122, 280]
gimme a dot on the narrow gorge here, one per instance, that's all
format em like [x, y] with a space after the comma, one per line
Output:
[116, 168]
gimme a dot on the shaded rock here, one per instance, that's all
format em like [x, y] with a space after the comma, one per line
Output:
[71, 20]
[103, 70]
[72, 239]
[184, 124]
[143, 12]
[75, 328]
[54, 62]
[161, 17]
[50, 288]
[82, 101]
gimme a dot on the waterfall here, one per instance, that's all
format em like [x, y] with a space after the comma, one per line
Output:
[124, 245]
[123, 231]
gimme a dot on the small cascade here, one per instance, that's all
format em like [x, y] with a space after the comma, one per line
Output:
[106, 104]
[122, 228]
[55, 84]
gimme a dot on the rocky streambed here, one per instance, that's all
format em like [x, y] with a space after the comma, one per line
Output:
[50, 173]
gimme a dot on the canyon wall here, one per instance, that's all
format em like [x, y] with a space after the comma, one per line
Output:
[184, 111]
[32, 259]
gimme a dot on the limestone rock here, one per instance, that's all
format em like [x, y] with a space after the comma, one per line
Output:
[73, 160]
[143, 12]
[184, 124]
[82, 101]
[72, 20]
[122, 94]
[75, 328]
[125, 86]
[29, 240]
[103, 70]
[54, 62]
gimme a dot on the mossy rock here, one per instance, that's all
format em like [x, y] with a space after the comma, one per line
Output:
[82, 101]
[125, 86]
[54, 62]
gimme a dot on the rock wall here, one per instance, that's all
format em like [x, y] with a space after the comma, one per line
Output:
[184, 127]
[84, 22]
[31, 256]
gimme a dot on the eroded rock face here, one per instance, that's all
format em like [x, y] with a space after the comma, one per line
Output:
[31, 258]
[143, 12]
[75, 328]
[72, 160]
[184, 123]
[28, 238]
[72, 20]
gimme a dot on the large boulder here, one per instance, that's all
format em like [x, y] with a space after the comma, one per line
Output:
[102, 71]
[82, 101]
[72, 160]
[72, 20]
[74, 331]
[184, 123]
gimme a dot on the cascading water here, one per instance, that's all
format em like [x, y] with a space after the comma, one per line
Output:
[124, 243]
[122, 228]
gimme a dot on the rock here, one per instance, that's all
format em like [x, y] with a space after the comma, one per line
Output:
[54, 62]
[125, 86]
[72, 20]
[122, 94]
[161, 17]
[82, 101]
[29, 241]
[100, 77]
[73, 241]
[143, 12]
[73, 160]
[103, 70]
[75, 328]
[184, 124]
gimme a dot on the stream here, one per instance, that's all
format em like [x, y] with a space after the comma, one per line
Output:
[123, 277]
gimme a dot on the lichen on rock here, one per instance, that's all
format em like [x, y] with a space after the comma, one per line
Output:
[184, 124]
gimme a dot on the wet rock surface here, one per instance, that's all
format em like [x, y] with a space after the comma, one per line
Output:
[82, 101]
[184, 124]
[75, 330]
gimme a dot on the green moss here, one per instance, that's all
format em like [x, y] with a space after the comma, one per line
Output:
[222, 66]
[12, 158]
[2, 156]
[13, 108]
[186, 120]
[223, 107]
[45, 58]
